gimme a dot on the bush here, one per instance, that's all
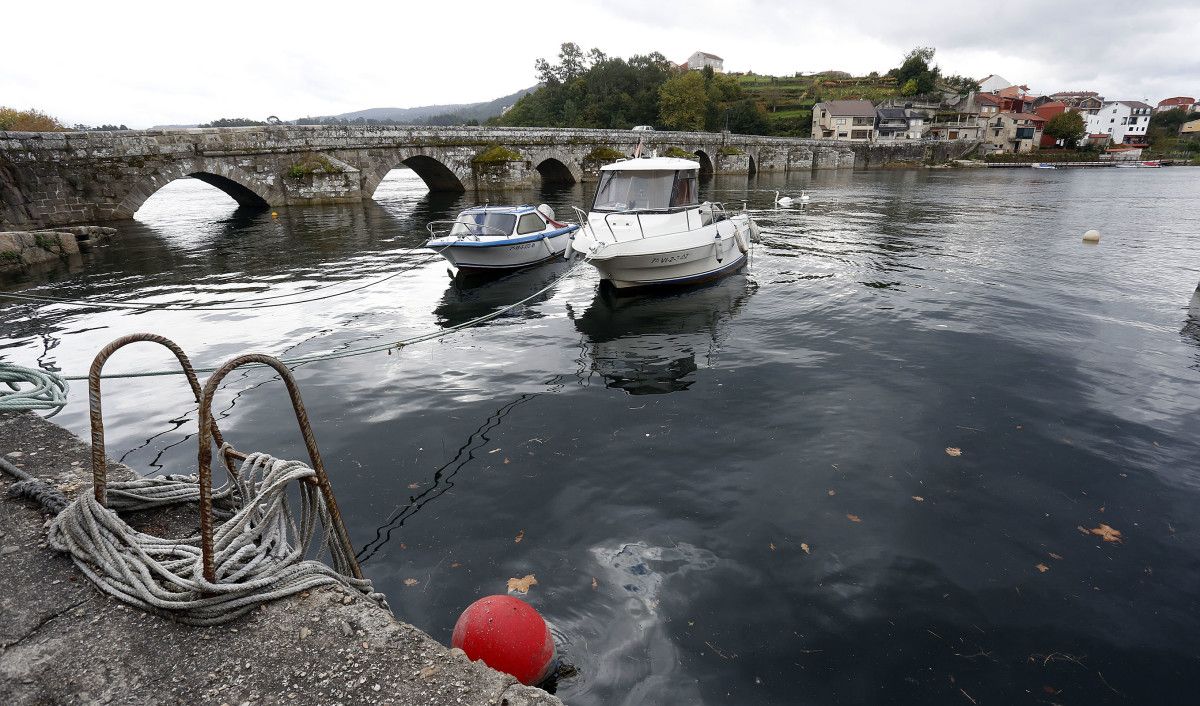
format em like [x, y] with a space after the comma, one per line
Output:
[603, 154]
[28, 121]
[679, 153]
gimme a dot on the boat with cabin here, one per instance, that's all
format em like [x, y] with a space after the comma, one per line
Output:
[647, 226]
[488, 238]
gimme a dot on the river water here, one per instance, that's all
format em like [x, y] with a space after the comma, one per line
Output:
[744, 493]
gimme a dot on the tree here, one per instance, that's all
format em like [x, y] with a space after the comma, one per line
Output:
[683, 102]
[917, 67]
[28, 121]
[1067, 126]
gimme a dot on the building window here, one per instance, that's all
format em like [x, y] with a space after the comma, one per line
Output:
[860, 134]
[840, 121]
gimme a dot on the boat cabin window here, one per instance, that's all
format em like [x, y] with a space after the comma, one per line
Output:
[483, 223]
[530, 223]
[645, 190]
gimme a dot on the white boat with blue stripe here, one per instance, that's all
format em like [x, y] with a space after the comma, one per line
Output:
[500, 237]
[648, 228]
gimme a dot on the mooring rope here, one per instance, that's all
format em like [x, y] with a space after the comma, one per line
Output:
[259, 550]
[242, 304]
[48, 391]
[378, 348]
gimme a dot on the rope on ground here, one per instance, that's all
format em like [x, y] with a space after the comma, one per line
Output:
[352, 352]
[48, 391]
[259, 549]
[34, 489]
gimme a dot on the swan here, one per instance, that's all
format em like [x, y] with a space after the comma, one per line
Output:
[804, 197]
[785, 201]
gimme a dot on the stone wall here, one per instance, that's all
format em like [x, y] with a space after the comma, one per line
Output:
[89, 177]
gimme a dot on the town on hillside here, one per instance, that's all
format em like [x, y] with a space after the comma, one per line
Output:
[1004, 117]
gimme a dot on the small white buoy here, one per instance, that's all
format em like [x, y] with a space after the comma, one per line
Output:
[1092, 236]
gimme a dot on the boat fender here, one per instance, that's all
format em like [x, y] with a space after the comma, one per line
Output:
[741, 240]
[569, 251]
[717, 248]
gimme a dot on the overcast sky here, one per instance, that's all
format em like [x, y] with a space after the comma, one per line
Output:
[145, 64]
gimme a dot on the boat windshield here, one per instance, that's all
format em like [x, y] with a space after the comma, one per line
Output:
[645, 190]
[483, 223]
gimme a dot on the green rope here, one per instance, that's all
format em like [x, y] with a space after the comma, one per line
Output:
[48, 391]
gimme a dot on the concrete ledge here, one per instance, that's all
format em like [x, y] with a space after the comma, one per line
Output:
[63, 641]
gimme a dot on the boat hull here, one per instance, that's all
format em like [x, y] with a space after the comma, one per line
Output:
[668, 261]
[471, 257]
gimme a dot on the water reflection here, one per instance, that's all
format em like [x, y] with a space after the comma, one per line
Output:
[470, 296]
[652, 344]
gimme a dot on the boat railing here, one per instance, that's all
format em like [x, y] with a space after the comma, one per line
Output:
[441, 229]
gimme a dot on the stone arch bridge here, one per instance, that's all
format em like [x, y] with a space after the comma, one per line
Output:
[58, 178]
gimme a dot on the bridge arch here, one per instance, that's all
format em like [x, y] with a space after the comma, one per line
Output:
[434, 171]
[558, 170]
[752, 168]
[241, 186]
[706, 165]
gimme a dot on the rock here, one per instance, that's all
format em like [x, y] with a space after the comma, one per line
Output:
[304, 632]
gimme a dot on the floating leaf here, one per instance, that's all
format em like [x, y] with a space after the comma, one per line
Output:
[804, 548]
[455, 564]
[918, 498]
[1107, 533]
[411, 582]
[521, 585]
[853, 518]
[494, 451]
[953, 451]
[414, 486]
[1055, 556]
[831, 492]
[519, 537]
[506, 461]
[1042, 568]
[772, 546]
[595, 583]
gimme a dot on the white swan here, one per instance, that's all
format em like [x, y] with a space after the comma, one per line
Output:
[804, 197]
[785, 201]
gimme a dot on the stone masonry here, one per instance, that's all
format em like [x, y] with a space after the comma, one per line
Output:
[55, 178]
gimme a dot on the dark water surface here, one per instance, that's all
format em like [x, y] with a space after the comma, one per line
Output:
[742, 493]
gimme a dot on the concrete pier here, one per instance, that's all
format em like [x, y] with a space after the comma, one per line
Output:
[62, 641]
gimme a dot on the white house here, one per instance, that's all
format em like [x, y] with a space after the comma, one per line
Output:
[1125, 121]
[992, 83]
[701, 59]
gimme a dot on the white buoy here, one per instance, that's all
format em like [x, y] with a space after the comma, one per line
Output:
[1092, 236]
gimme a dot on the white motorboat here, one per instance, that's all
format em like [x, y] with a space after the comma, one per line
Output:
[500, 237]
[647, 226]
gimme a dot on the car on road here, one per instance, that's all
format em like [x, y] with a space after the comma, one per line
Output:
[643, 128]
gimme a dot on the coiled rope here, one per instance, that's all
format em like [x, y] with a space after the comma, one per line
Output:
[260, 551]
[48, 390]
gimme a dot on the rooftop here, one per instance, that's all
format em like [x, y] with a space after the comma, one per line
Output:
[857, 109]
[1134, 104]
[664, 164]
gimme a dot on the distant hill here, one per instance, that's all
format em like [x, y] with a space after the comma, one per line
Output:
[464, 111]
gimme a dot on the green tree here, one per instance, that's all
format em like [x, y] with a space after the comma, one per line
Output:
[683, 102]
[918, 66]
[1067, 126]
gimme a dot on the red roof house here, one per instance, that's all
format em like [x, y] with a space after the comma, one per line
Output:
[1184, 102]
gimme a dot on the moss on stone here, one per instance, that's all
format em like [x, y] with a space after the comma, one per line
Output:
[604, 154]
[311, 165]
[497, 153]
[679, 153]
[730, 151]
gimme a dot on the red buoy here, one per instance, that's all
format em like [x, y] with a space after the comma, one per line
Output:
[508, 635]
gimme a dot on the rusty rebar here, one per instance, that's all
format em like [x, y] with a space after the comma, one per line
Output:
[99, 460]
[310, 442]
